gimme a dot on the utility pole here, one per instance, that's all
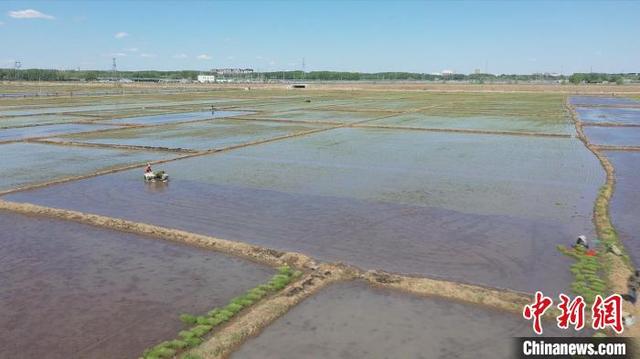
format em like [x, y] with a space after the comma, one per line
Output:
[303, 68]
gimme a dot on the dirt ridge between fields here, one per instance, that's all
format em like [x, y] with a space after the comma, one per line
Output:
[617, 268]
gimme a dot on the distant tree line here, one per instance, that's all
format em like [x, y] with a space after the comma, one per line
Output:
[92, 75]
[601, 77]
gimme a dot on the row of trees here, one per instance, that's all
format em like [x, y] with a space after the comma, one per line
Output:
[593, 78]
[57, 75]
[89, 75]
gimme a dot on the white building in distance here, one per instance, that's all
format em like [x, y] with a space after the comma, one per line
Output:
[230, 71]
[203, 79]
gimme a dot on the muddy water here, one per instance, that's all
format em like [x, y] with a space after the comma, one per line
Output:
[203, 135]
[352, 321]
[495, 250]
[615, 136]
[75, 291]
[12, 134]
[177, 117]
[625, 206]
[602, 101]
[27, 163]
[609, 115]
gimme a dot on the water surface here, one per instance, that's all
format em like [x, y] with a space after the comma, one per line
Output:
[74, 291]
[22, 164]
[19, 121]
[609, 115]
[353, 321]
[625, 205]
[613, 136]
[12, 134]
[177, 117]
[474, 208]
[602, 101]
[201, 135]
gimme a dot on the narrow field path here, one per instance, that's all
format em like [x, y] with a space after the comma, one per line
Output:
[617, 268]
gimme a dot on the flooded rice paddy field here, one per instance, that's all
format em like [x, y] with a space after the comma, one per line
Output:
[22, 121]
[353, 321]
[613, 115]
[626, 197]
[83, 108]
[321, 116]
[463, 104]
[176, 117]
[20, 133]
[614, 136]
[602, 101]
[626, 200]
[453, 171]
[284, 105]
[23, 164]
[426, 119]
[201, 135]
[474, 208]
[128, 112]
[107, 107]
[75, 291]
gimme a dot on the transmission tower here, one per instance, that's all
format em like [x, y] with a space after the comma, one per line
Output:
[114, 69]
[16, 67]
[303, 68]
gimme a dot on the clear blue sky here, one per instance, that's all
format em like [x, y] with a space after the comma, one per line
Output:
[417, 36]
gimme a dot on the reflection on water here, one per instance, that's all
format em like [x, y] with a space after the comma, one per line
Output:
[157, 186]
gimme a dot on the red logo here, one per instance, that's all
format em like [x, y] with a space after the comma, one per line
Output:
[572, 312]
[607, 312]
[604, 312]
[536, 310]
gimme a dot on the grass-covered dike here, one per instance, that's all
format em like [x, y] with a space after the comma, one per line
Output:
[611, 261]
[587, 271]
[197, 327]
